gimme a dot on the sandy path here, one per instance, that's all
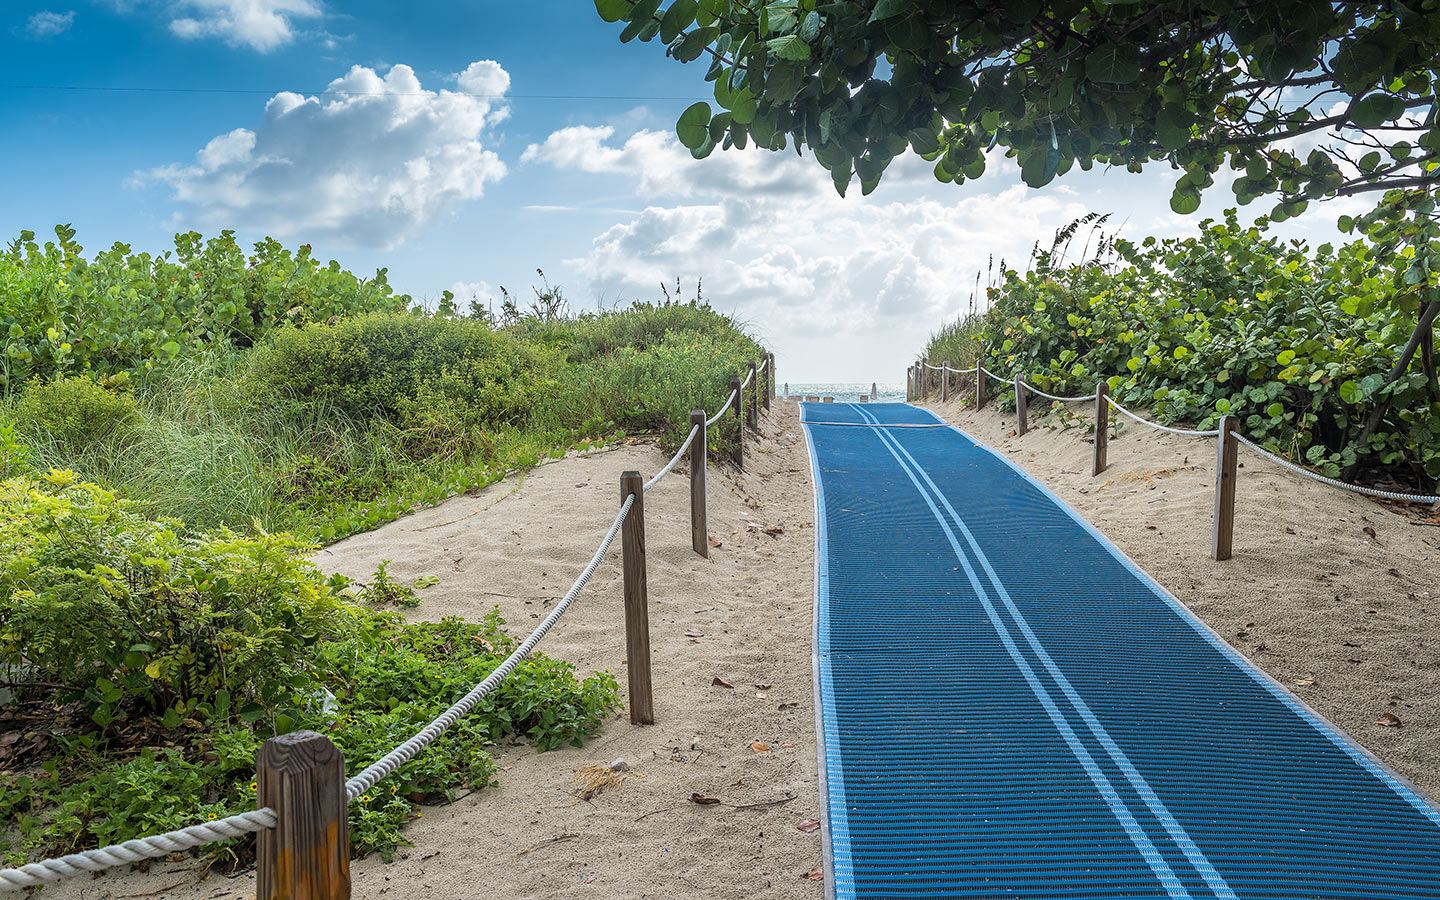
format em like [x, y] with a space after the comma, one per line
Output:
[518, 546]
[1348, 621]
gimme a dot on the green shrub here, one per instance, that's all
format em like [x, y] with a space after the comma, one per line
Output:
[177, 654]
[1295, 343]
[124, 313]
[75, 412]
[419, 372]
[132, 615]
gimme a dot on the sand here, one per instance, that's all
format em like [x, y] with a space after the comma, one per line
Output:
[518, 546]
[1346, 620]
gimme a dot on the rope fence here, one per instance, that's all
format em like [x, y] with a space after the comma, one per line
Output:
[1229, 440]
[302, 797]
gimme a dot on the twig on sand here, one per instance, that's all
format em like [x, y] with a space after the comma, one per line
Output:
[156, 891]
[559, 838]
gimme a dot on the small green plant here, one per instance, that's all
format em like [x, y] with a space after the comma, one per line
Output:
[14, 454]
[382, 590]
[74, 413]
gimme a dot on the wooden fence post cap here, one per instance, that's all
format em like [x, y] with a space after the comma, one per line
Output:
[297, 750]
[697, 416]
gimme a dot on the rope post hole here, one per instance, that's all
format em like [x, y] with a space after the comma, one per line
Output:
[1228, 456]
[979, 383]
[699, 527]
[1022, 415]
[754, 407]
[945, 381]
[739, 453]
[637, 604]
[1102, 427]
[306, 856]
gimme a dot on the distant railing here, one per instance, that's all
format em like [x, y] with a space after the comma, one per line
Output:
[301, 821]
[918, 383]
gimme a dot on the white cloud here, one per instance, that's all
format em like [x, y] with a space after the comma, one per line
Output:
[365, 163]
[46, 24]
[262, 25]
[774, 242]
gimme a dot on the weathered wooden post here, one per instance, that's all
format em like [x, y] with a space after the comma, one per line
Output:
[945, 381]
[306, 856]
[769, 378]
[1227, 453]
[787, 389]
[909, 388]
[874, 393]
[1020, 410]
[699, 523]
[979, 383]
[1102, 426]
[752, 409]
[637, 604]
[739, 453]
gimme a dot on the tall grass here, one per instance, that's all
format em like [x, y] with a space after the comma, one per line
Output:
[217, 439]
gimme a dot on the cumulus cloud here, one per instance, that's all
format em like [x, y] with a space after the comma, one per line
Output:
[367, 162]
[45, 24]
[773, 240]
[262, 25]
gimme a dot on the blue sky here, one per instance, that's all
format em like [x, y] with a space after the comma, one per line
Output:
[463, 145]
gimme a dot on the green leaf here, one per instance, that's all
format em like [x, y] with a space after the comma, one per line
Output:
[680, 16]
[642, 11]
[425, 581]
[1113, 64]
[612, 10]
[1376, 109]
[1172, 126]
[1185, 200]
[1350, 392]
[790, 47]
[886, 9]
[1285, 357]
[810, 27]
[1275, 410]
[693, 128]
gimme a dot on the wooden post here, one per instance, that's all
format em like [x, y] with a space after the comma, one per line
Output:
[787, 389]
[909, 377]
[769, 378]
[874, 393]
[979, 383]
[637, 605]
[945, 381]
[752, 409]
[1102, 427]
[1020, 410]
[924, 378]
[306, 856]
[699, 527]
[738, 454]
[1227, 457]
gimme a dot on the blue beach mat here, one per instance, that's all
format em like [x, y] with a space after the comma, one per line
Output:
[1009, 707]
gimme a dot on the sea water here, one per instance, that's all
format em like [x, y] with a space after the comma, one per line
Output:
[843, 392]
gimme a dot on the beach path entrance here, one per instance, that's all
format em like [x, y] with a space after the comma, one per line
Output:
[1008, 707]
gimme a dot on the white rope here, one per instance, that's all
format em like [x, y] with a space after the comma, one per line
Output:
[1053, 397]
[694, 430]
[1316, 476]
[746, 383]
[407, 751]
[97, 860]
[1157, 426]
[763, 363]
[934, 368]
[1000, 378]
[721, 411]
